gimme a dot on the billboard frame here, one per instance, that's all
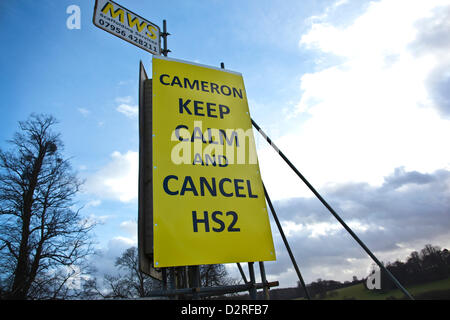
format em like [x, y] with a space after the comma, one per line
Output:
[145, 194]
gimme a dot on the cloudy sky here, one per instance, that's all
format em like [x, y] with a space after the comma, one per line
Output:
[355, 93]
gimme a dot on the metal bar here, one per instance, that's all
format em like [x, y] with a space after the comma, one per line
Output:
[252, 289]
[191, 276]
[165, 38]
[338, 218]
[164, 35]
[262, 271]
[236, 288]
[212, 290]
[173, 280]
[180, 277]
[185, 277]
[164, 278]
[242, 272]
[196, 281]
[286, 244]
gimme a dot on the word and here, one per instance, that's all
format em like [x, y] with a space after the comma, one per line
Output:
[221, 160]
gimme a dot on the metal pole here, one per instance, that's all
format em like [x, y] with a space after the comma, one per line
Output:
[242, 272]
[185, 277]
[180, 277]
[194, 279]
[164, 278]
[286, 243]
[173, 280]
[262, 271]
[164, 35]
[252, 289]
[338, 218]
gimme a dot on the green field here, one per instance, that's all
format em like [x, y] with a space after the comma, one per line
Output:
[359, 292]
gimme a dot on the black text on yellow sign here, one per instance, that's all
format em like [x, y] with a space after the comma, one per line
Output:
[209, 204]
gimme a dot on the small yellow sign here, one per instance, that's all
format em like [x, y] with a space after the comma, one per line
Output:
[208, 198]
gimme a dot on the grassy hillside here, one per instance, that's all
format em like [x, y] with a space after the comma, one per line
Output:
[359, 292]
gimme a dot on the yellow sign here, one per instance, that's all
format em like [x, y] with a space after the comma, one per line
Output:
[208, 199]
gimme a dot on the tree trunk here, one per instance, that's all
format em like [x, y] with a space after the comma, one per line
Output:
[22, 280]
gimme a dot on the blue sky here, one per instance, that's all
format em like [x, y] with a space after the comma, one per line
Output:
[356, 93]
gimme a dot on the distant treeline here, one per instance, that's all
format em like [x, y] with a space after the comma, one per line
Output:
[430, 264]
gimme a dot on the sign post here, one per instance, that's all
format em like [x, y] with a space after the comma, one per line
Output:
[208, 198]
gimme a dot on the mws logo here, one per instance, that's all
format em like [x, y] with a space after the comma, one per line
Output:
[132, 21]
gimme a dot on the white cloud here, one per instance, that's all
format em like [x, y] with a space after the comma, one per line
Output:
[125, 242]
[85, 112]
[118, 179]
[93, 203]
[126, 107]
[130, 227]
[372, 111]
[125, 82]
[104, 261]
[380, 102]
[392, 220]
[127, 99]
[328, 10]
[128, 110]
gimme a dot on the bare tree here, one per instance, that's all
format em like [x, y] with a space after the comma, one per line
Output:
[43, 241]
[215, 275]
[130, 282]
